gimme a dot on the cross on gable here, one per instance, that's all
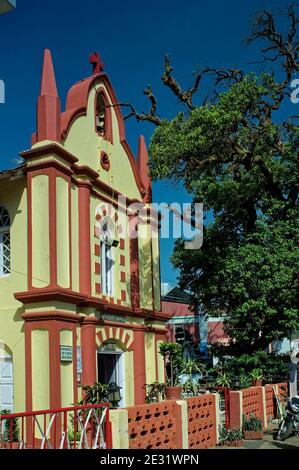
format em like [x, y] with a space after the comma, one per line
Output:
[96, 62]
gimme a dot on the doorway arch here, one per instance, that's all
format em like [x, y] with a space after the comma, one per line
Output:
[111, 366]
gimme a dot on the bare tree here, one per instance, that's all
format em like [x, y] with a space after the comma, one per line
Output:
[278, 47]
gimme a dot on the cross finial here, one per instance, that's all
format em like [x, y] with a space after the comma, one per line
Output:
[96, 62]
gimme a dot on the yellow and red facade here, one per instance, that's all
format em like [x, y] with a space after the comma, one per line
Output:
[72, 176]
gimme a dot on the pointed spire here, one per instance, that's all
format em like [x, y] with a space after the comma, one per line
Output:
[48, 82]
[48, 106]
[142, 163]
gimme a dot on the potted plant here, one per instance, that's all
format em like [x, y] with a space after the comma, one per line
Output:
[257, 377]
[223, 379]
[252, 427]
[172, 354]
[230, 437]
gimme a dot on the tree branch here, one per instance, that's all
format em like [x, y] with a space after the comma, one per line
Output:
[184, 96]
[284, 46]
[150, 117]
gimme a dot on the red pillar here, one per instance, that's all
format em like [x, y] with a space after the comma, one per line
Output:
[235, 399]
[84, 237]
[139, 367]
[88, 350]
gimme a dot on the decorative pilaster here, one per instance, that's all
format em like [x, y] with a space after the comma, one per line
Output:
[88, 350]
[84, 237]
[139, 366]
[134, 265]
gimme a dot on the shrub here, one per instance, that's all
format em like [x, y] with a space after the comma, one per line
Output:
[223, 379]
[252, 424]
[245, 381]
[10, 425]
[229, 435]
[155, 392]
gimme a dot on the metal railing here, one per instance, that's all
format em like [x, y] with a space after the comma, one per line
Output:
[76, 427]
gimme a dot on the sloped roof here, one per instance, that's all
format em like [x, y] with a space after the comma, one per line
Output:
[13, 171]
[177, 295]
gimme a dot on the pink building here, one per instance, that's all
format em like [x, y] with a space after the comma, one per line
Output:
[183, 325]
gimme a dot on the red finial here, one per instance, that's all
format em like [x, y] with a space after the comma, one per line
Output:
[96, 62]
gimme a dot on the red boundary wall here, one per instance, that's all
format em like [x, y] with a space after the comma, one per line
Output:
[202, 431]
[251, 400]
[159, 425]
[155, 426]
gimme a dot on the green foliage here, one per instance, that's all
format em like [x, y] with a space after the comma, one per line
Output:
[11, 429]
[272, 364]
[192, 366]
[252, 424]
[234, 156]
[172, 354]
[72, 435]
[169, 349]
[94, 394]
[229, 435]
[223, 379]
[256, 374]
[155, 392]
[245, 381]
[191, 389]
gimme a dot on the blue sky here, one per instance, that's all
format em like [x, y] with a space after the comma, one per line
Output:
[132, 37]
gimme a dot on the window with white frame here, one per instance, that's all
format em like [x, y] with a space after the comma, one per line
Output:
[107, 259]
[4, 242]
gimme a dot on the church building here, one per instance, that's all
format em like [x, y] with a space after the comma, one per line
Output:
[79, 293]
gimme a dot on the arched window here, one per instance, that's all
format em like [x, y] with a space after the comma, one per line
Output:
[101, 114]
[4, 242]
[108, 242]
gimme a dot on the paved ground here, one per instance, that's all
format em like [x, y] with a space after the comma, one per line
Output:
[268, 442]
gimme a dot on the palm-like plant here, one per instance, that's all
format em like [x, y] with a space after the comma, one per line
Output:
[245, 381]
[223, 380]
[190, 367]
[256, 374]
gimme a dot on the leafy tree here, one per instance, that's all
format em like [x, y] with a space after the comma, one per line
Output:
[235, 155]
[272, 365]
